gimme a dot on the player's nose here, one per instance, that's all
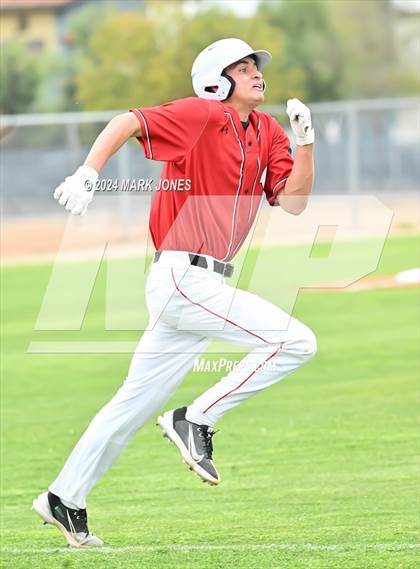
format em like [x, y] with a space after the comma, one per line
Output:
[257, 74]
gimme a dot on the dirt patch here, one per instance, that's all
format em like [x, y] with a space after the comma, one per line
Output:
[368, 283]
[35, 240]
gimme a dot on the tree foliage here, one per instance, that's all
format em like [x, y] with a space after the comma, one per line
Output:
[345, 48]
[81, 27]
[367, 50]
[134, 59]
[310, 44]
[322, 50]
[19, 79]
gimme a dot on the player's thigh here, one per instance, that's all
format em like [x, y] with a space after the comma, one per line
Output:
[252, 320]
[209, 307]
[162, 350]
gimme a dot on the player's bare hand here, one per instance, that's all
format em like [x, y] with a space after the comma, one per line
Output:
[301, 122]
[76, 192]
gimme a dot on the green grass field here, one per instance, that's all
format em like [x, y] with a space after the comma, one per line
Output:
[320, 471]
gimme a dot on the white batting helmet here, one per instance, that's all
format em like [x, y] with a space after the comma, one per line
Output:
[209, 64]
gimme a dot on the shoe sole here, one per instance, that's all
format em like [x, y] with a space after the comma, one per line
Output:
[165, 422]
[42, 507]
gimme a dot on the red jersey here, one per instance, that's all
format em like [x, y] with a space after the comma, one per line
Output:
[215, 173]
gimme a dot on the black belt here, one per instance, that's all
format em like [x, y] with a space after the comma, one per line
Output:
[225, 269]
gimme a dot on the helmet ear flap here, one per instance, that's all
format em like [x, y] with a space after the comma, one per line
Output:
[232, 84]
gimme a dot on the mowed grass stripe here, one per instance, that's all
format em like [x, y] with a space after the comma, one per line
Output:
[212, 547]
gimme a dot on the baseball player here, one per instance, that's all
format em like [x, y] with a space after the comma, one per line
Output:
[233, 158]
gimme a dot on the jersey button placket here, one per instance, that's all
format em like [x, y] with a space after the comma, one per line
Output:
[248, 145]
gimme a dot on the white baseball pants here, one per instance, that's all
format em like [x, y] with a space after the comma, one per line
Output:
[188, 306]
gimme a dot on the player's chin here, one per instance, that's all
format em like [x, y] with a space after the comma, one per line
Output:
[257, 96]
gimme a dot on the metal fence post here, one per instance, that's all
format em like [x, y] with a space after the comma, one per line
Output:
[73, 141]
[353, 170]
[342, 166]
[125, 197]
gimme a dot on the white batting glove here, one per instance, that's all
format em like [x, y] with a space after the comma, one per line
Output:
[301, 122]
[76, 192]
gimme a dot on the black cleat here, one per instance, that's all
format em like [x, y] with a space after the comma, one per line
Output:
[72, 523]
[193, 441]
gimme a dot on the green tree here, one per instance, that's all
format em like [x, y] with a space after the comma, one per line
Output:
[81, 27]
[211, 25]
[310, 43]
[19, 79]
[344, 48]
[145, 58]
[367, 48]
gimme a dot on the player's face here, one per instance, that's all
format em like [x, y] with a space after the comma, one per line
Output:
[249, 88]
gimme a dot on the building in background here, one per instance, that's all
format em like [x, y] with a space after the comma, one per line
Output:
[35, 23]
[41, 43]
[42, 25]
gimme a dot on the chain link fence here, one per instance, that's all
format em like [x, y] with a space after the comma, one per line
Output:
[367, 146]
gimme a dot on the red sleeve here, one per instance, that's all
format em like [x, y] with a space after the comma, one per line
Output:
[171, 130]
[280, 163]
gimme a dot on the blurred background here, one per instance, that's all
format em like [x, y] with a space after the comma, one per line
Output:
[68, 66]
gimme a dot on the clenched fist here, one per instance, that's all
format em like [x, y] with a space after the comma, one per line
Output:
[76, 192]
[301, 123]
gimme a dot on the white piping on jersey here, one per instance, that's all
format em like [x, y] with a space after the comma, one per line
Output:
[242, 239]
[241, 242]
[253, 187]
[258, 170]
[147, 134]
[239, 186]
[279, 182]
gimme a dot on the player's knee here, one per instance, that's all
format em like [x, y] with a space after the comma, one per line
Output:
[308, 344]
[302, 343]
